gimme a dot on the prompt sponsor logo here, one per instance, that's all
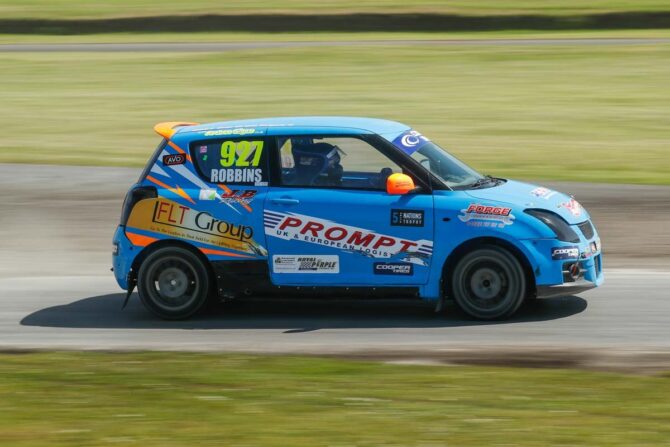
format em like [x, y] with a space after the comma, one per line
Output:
[564, 253]
[314, 230]
[306, 264]
[393, 268]
[407, 218]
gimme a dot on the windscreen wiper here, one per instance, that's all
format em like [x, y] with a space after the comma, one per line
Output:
[481, 182]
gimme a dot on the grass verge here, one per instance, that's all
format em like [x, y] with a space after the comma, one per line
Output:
[8, 38]
[591, 113]
[174, 399]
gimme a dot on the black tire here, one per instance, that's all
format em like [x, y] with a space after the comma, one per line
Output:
[173, 283]
[488, 283]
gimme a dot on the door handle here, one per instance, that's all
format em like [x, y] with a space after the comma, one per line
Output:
[284, 201]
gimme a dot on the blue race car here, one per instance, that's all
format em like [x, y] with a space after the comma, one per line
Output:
[340, 206]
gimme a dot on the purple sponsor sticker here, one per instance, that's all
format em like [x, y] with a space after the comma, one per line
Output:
[410, 141]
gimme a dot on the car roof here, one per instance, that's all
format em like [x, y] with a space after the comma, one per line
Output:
[305, 124]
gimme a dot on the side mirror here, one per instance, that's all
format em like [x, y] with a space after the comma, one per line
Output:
[399, 184]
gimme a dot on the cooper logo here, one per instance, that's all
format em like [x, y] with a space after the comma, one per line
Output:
[565, 253]
[393, 268]
[174, 159]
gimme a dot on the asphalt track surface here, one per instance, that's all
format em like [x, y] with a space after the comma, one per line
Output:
[236, 46]
[56, 290]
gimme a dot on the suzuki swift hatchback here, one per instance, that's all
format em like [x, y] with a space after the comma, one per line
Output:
[341, 206]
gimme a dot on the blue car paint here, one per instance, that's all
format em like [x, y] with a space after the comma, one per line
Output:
[447, 224]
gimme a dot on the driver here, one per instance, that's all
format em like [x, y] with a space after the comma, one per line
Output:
[317, 164]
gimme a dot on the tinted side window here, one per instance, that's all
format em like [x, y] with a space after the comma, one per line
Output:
[235, 161]
[335, 162]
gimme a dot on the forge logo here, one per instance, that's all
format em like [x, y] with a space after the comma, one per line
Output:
[487, 216]
[313, 230]
[174, 159]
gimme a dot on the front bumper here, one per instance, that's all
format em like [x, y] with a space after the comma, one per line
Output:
[565, 289]
[559, 274]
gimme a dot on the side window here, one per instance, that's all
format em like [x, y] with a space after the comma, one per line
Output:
[336, 162]
[236, 161]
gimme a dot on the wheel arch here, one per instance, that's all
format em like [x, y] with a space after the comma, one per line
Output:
[162, 243]
[471, 244]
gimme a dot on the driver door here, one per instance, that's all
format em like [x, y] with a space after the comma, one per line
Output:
[330, 221]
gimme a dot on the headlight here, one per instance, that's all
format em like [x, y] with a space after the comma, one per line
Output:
[556, 223]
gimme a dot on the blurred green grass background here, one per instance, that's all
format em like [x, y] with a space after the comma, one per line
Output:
[169, 399]
[591, 113]
[67, 9]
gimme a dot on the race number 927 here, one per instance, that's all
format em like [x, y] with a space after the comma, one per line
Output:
[241, 154]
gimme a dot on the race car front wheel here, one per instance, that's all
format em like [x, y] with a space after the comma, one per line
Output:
[173, 283]
[488, 283]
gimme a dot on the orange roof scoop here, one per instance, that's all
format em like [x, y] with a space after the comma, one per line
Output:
[167, 129]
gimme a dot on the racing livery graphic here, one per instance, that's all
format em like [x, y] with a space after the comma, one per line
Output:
[183, 222]
[337, 206]
[344, 237]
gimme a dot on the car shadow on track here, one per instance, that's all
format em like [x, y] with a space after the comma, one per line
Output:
[294, 316]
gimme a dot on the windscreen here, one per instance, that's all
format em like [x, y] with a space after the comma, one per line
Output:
[450, 170]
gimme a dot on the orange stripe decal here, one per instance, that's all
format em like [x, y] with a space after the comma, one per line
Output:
[228, 191]
[177, 190]
[139, 239]
[178, 149]
[209, 251]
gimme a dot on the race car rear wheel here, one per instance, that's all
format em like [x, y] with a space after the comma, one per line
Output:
[173, 283]
[488, 283]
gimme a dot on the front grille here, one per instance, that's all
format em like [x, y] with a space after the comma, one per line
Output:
[587, 229]
[598, 265]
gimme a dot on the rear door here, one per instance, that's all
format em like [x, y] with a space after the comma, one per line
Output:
[329, 220]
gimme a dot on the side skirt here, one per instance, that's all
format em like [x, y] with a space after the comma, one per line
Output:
[237, 279]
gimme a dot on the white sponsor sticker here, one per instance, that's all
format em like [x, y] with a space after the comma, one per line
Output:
[207, 194]
[306, 263]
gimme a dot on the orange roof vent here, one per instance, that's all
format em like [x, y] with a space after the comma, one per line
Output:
[167, 129]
